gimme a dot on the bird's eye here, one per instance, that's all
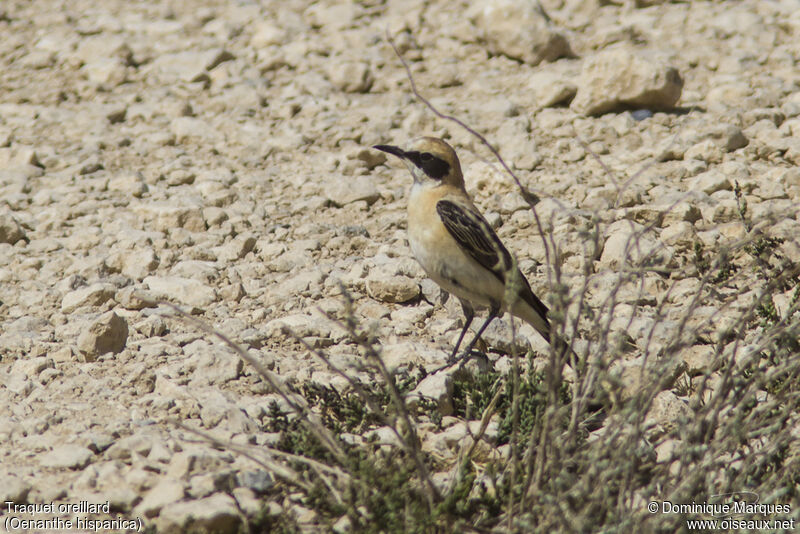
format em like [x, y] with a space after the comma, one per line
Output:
[425, 156]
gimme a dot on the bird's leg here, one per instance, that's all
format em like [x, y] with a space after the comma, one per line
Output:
[493, 313]
[469, 315]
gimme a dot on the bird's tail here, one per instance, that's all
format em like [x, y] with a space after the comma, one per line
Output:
[542, 325]
[563, 350]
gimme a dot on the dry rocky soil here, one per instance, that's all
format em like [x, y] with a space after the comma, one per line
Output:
[217, 155]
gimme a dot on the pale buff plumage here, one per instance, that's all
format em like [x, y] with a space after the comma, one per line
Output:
[455, 245]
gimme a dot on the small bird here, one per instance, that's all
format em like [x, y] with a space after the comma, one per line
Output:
[455, 244]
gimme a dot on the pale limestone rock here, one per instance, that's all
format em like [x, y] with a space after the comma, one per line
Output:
[299, 324]
[69, 456]
[498, 336]
[165, 493]
[133, 298]
[166, 216]
[193, 129]
[31, 367]
[191, 65]
[710, 182]
[134, 263]
[108, 333]
[217, 513]
[152, 326]
[93, 295]
[629, 243]
[236, 248]
[455, 435]
[248, 501]
[350, 76]
[129, 183]
[680, 235]
[106, 72]
[436, 387]
[396, 288]
[259, 480]
[265, 33]
[623, 78]
[181, 290]
[668, 412]
[551, 89]
[14, 488]
[699, 359]
[10, 229]
[204, 271]
[520, 30]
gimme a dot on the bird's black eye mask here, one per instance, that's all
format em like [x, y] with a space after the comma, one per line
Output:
[433, 166]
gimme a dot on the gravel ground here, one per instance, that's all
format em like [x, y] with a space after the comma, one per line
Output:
[216, 154]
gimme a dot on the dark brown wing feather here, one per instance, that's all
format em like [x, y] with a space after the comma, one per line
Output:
[479, 240]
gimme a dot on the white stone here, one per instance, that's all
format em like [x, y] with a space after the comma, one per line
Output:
[217, 513]
[710, 182]
[165, 216]
[190, 65]
[396, 289]
[31, 367]
[181, 290]
[350, 76]
[668, 411]
[165, 493]
[621, 77]
[236, 248]
[629, 243]
[436, 387]
[341, 190]
[108, 333]
[550, 89]
[10, 230]
[192, 128]
[519, 30]
[93, 295]
[266, 33]
[129, 183]
[69, 456]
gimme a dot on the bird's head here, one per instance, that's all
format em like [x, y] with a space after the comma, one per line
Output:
[430, 160]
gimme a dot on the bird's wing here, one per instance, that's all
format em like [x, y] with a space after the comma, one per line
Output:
[477, 238]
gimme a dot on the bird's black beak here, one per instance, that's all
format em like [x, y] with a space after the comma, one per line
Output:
[399, 152]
